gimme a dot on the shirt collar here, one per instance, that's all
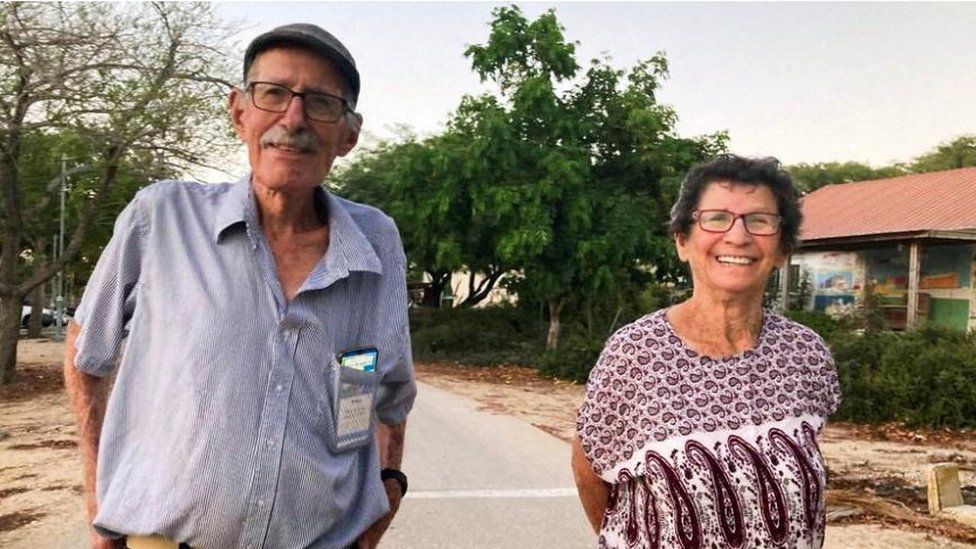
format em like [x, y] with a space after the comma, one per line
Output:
[349, 250]
[233, 207]
[348, 247]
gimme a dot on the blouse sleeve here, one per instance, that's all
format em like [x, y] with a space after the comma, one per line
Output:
[603, 421]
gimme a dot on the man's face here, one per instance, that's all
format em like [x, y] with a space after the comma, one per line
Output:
[288, 151]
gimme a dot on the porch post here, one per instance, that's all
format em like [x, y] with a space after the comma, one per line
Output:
[784, 286]
[914, 268]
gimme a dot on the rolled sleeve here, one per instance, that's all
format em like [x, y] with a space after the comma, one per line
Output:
[109, 299]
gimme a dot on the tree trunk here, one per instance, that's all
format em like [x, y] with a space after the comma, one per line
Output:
[433, 291]
[552, 337]
[9, 332]
[479, 292]
[37, 312]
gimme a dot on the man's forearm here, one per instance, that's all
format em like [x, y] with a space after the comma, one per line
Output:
[88, 395]
[390, 440]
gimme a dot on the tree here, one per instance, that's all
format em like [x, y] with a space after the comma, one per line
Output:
[587, 173]
[810, 177]
[127, 91]
[959, 153]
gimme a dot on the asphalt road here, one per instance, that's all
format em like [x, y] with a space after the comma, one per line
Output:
[482, 480]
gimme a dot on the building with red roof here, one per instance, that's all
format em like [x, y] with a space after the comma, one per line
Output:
[909, 239]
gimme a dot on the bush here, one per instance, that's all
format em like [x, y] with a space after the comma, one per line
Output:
[478, 337]
[573, 360]
[922, 377]
[819, 322]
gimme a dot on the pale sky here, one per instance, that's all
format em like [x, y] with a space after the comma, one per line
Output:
[805, 82]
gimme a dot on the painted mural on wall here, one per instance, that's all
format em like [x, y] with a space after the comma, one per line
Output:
[836, 279]
[947, 281]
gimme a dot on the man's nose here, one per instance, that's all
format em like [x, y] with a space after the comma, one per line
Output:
[294, 115]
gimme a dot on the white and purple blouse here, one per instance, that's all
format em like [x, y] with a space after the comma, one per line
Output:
[710, 452]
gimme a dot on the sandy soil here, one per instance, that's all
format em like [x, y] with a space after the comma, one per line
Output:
[876, 468]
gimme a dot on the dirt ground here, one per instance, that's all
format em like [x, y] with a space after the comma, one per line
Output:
[876, 490]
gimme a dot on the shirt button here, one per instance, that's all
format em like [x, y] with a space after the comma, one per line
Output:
[260, 503]
[278, 387]
[270, 443]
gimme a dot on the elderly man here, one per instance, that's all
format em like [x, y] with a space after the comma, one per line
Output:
[262, 395]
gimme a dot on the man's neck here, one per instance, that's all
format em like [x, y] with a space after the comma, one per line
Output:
[284, 214]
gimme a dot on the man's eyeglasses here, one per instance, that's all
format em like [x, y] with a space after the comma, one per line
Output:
[321, 107]
[720, 221]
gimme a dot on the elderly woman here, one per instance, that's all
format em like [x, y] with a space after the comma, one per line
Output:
[700, 423]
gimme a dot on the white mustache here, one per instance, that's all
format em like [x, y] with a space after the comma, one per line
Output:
[301, 139]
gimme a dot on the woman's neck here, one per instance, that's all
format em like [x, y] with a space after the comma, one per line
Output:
[718, 327]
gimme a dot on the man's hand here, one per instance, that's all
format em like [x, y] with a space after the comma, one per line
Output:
[390, 441]
[371, 537]
[100, 542]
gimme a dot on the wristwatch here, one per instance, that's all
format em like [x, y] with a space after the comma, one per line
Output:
[396, 475]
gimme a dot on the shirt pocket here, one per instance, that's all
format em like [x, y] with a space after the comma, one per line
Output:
[352, 395]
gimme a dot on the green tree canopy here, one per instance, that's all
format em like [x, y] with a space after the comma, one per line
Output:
[958, 153]
[563, 178]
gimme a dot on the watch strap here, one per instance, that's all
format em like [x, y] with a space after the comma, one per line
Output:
[397, 475]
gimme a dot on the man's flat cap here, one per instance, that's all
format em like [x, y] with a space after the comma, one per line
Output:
[314, 38]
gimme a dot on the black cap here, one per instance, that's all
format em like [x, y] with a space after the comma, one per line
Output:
[314, 38]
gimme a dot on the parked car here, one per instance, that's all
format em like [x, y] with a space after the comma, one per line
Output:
[46, 320]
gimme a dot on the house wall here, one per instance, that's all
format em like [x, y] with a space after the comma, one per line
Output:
[947, 280]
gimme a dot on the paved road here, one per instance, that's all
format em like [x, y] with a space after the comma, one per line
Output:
[481, 480]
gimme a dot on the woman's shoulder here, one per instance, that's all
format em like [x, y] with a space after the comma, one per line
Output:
[652, 326]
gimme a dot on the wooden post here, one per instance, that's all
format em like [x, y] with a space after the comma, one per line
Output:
[784, 286]
[914, 268]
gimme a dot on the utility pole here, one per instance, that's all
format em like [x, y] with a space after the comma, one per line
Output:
[59, 316]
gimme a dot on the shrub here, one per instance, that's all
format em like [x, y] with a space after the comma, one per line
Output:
[573, 360]
[483, 336]
[819, 322]
[922, 377]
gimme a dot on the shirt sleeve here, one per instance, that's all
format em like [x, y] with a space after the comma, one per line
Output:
[832, 396]
[601, 422]
[109, 300]
[397, 389]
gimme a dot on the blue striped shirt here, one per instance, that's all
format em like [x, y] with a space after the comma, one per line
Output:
[216, 432]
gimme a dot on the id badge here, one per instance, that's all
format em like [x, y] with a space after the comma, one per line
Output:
[355, 391]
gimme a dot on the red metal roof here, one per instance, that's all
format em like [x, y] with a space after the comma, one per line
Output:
[937, 201]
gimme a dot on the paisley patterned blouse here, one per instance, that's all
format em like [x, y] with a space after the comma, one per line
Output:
[706, 452]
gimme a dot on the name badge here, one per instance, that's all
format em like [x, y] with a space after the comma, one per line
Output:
[355, 392]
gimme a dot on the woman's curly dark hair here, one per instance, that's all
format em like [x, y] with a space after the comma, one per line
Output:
[767, 172]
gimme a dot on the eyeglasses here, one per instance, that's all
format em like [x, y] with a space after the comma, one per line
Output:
[318, 106]
[720, 221]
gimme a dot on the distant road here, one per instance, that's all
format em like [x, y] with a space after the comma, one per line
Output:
[482, 480]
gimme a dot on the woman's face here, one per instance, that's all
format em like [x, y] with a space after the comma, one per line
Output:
[734, 263]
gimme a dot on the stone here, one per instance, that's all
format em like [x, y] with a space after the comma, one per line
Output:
[943, 487]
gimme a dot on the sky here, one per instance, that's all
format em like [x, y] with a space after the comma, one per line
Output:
[804, 82]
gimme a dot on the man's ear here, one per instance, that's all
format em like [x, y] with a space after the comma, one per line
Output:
[354, 123]
[235, 107]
